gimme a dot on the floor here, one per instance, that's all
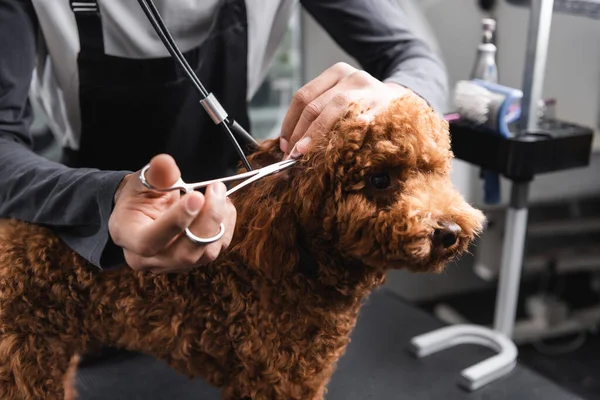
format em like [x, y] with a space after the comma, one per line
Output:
[572, 361]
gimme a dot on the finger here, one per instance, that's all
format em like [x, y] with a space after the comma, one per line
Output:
[163, 171]
[151, 238]
[310, 113]
[208, 222]
[181, 256]
[213, 250]
[229, 217]
[216, 211]
[230, 224]
[175, 258]
[229, 221]
[158, 264]
[331, 114]
[306, 95]
[171, 261]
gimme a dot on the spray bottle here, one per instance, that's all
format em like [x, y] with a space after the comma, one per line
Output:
[485, 63]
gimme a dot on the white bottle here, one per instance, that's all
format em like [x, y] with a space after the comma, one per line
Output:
[485, 67]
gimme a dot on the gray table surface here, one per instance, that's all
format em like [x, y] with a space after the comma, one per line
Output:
[376, 365]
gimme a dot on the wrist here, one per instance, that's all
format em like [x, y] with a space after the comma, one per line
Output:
[397, 88]
[120, 188]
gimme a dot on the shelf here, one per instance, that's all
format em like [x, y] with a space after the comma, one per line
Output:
[556, 146]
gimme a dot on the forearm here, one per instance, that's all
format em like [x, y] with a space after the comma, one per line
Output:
[423, 75]
[75, 203]
[378, 35]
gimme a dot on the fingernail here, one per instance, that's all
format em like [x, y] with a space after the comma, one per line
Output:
[299, 148]
[219, 189]
[193, 205]
[294, 153]
[303, 143]
[283, 144]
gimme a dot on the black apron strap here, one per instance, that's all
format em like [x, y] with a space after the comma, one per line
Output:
[134, 108]
[89, 25]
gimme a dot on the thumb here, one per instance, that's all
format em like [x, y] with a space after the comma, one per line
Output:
[163, 171]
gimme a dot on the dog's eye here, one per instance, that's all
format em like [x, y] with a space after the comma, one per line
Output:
[380, 181]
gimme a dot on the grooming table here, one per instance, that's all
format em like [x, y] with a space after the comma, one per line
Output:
[376, 365]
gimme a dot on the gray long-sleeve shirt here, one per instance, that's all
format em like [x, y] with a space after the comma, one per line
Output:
[38, 50]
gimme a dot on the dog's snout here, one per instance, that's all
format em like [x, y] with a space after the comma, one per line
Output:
[446, 236]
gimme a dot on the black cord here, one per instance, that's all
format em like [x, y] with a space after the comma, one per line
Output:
[159, 26]
[487, 5]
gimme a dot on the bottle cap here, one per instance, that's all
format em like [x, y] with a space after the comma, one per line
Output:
[487, 47]
[489, 24]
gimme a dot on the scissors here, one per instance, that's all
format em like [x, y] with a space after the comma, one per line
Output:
[219, 116]
[252, 176]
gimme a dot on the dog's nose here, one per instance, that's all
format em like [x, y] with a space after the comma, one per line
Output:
[446, 236]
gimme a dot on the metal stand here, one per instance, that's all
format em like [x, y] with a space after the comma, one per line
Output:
[495, 367]
[540, 21]
[482, 373]
[512, 260]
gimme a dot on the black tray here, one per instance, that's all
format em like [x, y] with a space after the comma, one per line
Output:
[555, 146]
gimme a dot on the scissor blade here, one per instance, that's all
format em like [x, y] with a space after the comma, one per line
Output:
[266, 171]
[197, 185]
[276, 167]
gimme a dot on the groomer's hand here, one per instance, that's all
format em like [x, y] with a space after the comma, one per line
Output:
[319, 104]
[150, 225]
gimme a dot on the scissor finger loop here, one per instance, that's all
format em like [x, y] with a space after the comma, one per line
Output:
[179, 185]
[203, 241]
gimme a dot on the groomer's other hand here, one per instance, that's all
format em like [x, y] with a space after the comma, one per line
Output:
[150, 225]
[319, 104]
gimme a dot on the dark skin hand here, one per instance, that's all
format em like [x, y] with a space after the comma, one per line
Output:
[150, 226]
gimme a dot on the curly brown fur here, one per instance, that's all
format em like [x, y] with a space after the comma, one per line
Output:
[260, 322]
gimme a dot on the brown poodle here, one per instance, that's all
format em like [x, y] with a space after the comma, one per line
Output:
[271, 316]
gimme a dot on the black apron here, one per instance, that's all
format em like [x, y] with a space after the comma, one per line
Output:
[133, 109]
